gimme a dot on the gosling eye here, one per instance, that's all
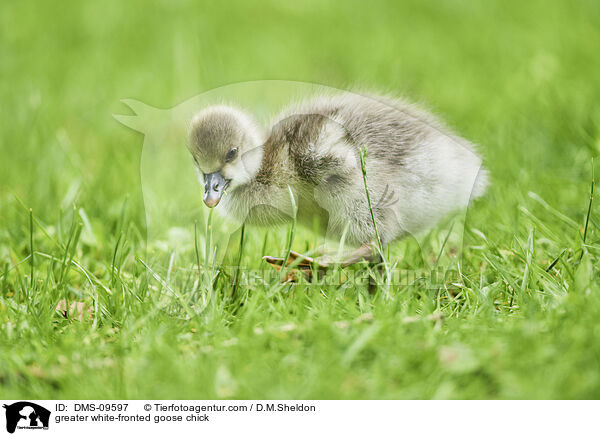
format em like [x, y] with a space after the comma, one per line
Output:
[231, 154]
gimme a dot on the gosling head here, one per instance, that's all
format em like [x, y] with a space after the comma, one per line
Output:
[225, 144]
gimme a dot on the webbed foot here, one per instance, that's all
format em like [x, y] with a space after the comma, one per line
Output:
[296, 263]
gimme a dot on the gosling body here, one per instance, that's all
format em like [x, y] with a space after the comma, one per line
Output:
[417, 170]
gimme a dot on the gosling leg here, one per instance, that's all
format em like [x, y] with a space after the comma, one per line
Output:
[364, 252]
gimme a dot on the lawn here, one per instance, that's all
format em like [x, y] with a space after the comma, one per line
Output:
[501, 303]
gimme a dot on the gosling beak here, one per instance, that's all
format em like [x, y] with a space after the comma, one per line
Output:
[214, 186]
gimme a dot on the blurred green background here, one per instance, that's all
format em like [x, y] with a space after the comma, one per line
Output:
[518, 78]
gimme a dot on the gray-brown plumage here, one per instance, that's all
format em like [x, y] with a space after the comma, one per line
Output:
[417, 170]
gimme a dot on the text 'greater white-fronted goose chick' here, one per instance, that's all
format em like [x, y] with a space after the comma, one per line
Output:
[417, 171]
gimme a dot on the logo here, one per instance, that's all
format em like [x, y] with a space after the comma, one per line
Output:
[26, 415]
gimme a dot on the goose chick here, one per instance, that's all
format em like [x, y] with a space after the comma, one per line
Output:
[417, 169]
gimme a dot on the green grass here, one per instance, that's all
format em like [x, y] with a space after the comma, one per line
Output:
[514, 316]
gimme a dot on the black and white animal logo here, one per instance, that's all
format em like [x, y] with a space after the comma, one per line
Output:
[26, 415]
